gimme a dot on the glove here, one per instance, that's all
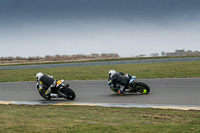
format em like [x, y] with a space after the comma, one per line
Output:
[40, 89]
[109, 83]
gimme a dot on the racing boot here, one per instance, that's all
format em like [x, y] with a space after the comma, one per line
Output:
[121, 91]
[48, 91]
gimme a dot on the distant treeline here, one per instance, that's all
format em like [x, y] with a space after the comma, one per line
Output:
[60, 57]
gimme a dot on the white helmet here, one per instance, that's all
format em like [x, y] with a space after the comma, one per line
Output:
[39, 75]
[111, 73]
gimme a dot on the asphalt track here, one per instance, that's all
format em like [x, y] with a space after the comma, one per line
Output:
[165, 93]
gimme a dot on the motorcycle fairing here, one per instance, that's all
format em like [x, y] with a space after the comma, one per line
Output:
[59, 82]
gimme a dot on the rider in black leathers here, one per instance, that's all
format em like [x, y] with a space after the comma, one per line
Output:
[115, 78]
[46, 80]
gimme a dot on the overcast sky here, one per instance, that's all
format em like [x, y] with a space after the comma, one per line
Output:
[127, 27]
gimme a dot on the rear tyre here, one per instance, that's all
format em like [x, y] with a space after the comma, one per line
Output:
[142, 88]
[69, 93]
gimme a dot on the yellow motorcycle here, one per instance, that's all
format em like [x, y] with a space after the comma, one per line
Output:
[59, 91]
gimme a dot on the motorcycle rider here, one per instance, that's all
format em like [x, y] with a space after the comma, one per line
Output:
[47, 81]
[115, 78]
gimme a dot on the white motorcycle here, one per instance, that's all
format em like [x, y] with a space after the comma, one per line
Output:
[60, 91]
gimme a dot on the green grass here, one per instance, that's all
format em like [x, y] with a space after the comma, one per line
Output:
[83, 119]
[154, 70]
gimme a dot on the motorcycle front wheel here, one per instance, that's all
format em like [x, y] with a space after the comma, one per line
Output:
[44, 96]
[69, 93]
[142, 88]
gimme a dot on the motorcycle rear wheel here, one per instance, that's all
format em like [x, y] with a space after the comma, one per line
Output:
[69, 93]
[142, 88]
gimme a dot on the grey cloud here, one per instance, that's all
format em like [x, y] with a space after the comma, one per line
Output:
[104, 9]
[98, 24]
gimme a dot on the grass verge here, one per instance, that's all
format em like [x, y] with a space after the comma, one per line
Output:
[154, 70]
[83, 119]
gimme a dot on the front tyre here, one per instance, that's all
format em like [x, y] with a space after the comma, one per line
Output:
[142, 88]
[44, 96]
[69, 93]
